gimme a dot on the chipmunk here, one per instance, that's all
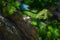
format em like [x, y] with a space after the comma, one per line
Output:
[26, 29]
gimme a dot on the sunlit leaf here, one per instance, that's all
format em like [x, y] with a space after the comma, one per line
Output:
[43, 12]
[34, 22]
[30, 14]
[11, 10]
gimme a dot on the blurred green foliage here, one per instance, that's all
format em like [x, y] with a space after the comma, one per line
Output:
[9, 6]
[40, 4]
[40, 13]
[48, 29]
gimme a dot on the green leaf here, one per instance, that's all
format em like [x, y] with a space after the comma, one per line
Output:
[56, 32]
[11, 10]
[30, 14]
[17, 4]
[48, 34]
[50, 28]
[41, 13]
[34, 22]
[42, 26]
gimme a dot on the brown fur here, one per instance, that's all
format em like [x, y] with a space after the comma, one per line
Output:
[26, 30]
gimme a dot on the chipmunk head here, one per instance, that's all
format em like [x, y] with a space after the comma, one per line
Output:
[27, 19]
